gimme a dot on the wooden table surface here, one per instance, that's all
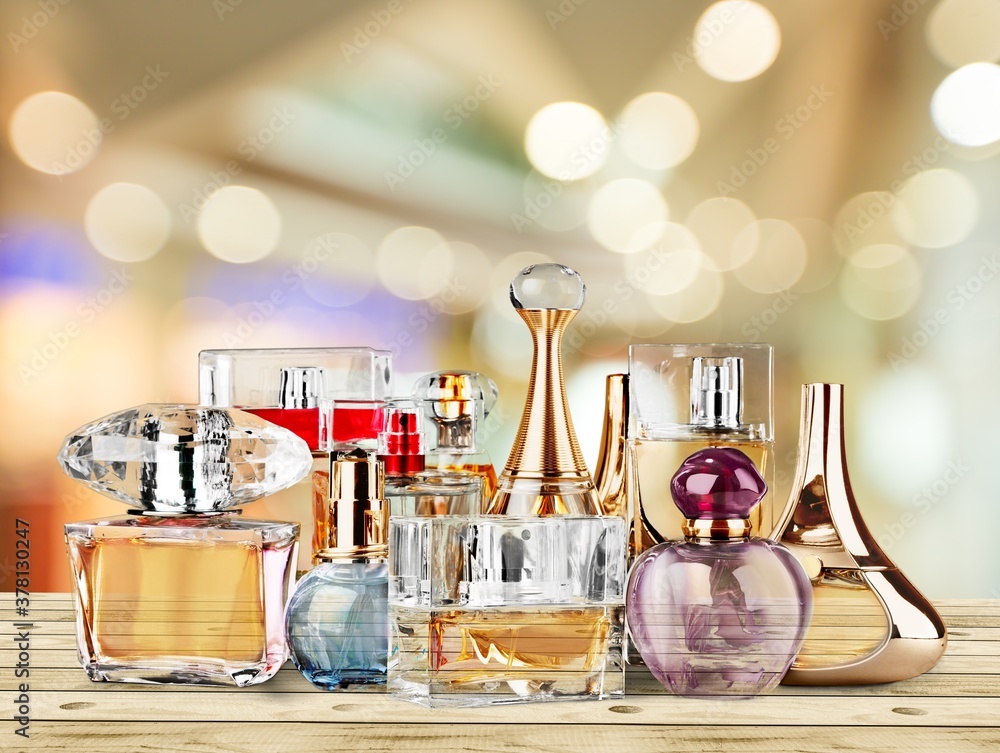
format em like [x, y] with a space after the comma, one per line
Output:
[954, 707]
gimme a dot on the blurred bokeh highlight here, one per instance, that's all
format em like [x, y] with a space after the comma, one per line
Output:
[821, 176]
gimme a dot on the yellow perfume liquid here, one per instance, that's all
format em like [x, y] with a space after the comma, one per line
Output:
[848, 621]
[180, 598]
[654, 463]
[533, 652]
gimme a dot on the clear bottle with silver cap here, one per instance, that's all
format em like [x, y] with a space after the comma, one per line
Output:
[687, 397]
[336, 623]
[331, 397]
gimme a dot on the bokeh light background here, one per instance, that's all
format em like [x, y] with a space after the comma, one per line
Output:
[821, 176]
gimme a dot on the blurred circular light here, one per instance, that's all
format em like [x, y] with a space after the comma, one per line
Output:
[881, 282]
[627, 215]
[567, 140]
[465, 290]
[414, 262]
[716, 223]
[966, 106]
[660, 130]
[54, 133]
[736, 40]
[127, 222]
[864, 220]
[697, 300]
[239, 224]
[822, 260]
[936, 208]
[779, 259]
[505, 345]
[336, 269]
[669, 266]
[960, 32]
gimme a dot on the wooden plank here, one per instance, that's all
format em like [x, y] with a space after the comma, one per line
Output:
[186, 737]
[638, 682]
[236, 706]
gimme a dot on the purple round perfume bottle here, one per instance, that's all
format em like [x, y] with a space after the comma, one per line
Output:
[720, 613]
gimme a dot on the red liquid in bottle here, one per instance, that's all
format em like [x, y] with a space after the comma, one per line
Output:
[351, 421]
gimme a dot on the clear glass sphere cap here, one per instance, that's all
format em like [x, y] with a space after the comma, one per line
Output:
[548, 286]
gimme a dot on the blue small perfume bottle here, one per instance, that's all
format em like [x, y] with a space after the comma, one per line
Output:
[337, 621]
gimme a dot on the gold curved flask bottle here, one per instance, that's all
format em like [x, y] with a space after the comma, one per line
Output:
[870, 624]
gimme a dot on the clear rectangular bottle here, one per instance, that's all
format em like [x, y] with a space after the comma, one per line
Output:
[194, 599]
[503, 609]
[328, 396]
[685, 398]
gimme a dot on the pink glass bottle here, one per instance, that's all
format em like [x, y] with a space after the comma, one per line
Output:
[720, 613]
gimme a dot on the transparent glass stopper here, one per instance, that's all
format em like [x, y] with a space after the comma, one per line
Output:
[547, 286]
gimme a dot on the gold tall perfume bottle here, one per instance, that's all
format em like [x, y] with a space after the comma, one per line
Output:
[870, 625]
[545, 473]
[686, 398]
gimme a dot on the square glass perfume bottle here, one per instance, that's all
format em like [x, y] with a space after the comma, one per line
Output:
[501, 609]
[328, 396]
[182, 589]
[685, 398]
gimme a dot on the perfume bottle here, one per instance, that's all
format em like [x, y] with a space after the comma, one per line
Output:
[545, 473]
[182, 589]
[686, 398]
[331, 397]
[455, 404]
[612, 475]
[410, 488]
[337, 621]
[871, 624]
[504, 609]
[720, 613]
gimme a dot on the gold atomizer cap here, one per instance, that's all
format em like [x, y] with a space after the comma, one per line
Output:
[356, 519]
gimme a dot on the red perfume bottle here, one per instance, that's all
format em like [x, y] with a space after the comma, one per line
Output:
[330, 397]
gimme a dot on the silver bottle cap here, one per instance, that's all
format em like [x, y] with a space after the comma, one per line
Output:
[299, 387]
[716, 391]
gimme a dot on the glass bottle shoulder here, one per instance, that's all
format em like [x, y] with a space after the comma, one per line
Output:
[222, 526]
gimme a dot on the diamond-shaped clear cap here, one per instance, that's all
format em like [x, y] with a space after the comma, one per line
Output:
[184, 458]
[548, 286]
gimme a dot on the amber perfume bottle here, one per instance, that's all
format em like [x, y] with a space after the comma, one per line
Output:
[456, 403]
[501, 609]
[685, 398]
[545, 473]
[870, 624]
[182, 589]
[410, 488]
[330, 397]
